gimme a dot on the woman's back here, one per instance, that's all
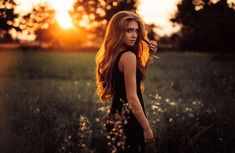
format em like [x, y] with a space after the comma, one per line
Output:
[133, 132]
[118, 83]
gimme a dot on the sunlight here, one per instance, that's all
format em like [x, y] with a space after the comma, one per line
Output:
[159, 12]
[62, 12]
[64, 20]
[153, 11]
[61, 7]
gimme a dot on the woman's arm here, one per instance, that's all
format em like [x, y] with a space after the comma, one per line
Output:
[127, 65]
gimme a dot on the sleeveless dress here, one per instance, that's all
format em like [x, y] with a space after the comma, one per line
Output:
[126, 135]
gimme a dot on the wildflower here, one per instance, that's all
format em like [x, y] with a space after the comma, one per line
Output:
[157, 103]
[158, 97]
[101, 109]
[97, 119]
[76, 82]
[85, 131]
[194, 102]
[191, 115]
[188, 109]
[115, 122]
[83, 145]
[170, 120]
[172, 103]
[37, 110]
[154, 107]
[167, 100]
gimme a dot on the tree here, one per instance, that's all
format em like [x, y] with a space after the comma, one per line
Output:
[152, 35]
[206, 25]
[8, 19]
[93, 15]
[39, 21]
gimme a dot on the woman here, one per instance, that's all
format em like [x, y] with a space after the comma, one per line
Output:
[121, 64]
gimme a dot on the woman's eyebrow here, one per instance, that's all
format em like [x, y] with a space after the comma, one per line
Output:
[132, 28]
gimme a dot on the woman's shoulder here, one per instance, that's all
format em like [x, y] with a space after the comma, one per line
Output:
[123, 55]
[128, 56]
[127, 59]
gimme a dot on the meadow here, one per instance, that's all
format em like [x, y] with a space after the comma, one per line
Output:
[48, 103]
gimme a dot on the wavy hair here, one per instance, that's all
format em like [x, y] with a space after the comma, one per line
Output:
[111, 47]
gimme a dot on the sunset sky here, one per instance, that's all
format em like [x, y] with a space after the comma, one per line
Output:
[152, 11]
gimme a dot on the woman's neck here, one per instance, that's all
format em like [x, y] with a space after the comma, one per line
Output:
[125, 47]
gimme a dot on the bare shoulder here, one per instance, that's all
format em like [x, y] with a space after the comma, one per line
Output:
[128, 59]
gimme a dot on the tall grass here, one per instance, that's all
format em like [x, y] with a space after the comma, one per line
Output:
[48, 104]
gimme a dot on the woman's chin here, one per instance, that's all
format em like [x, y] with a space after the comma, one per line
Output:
[131, 44]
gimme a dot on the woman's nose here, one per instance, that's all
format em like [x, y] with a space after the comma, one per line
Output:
[134, 35]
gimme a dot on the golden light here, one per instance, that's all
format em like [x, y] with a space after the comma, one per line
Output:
[159, 12]
[64, 20]
[61, 7]
[83, 23]
[153, 11]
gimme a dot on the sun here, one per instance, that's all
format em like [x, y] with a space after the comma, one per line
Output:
[64, 20]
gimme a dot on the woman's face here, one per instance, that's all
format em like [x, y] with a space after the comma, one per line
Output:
[131, 33]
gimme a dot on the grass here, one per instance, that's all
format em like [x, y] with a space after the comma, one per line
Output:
[48, 103]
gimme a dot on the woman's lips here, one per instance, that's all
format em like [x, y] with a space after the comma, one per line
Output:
[133, 41]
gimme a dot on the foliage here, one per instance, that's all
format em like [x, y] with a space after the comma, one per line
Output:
[40, 21]
[93, 15]
[206, 24]
[8, 19]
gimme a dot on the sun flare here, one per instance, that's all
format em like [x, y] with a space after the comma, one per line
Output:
[153, 11]
[64, 20]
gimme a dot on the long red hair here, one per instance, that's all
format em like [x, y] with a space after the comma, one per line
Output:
[111, 47]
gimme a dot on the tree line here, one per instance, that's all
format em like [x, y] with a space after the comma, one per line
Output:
[41, 22]
[206, 24]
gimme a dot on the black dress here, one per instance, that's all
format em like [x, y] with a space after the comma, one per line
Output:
[127, 135]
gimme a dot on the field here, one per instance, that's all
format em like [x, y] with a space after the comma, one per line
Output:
[48, 103]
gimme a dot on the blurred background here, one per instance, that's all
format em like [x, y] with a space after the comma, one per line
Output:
[48, 100]
[176, 24]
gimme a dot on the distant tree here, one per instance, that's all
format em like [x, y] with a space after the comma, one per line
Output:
[93, 15]
[8, 18]
[152, 35]
[119, 5]
[206, 25]
[40, 21]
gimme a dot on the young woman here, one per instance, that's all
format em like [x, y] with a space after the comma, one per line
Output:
[121, 65]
